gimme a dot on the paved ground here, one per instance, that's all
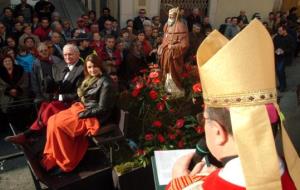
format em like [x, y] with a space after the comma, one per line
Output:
[15, 175]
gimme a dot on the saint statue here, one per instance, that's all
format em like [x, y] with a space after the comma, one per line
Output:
[171, 52]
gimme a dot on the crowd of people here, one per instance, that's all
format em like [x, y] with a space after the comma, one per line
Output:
[73, 74]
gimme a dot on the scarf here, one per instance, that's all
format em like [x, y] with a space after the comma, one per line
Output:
[85, 86]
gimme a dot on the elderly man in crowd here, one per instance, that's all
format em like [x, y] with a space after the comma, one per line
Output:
[66, 78]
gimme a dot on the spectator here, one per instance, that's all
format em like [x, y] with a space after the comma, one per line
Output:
[67, 78]
[35, 22]
[195, 37]
[115, 26]
[92, 17]
[81, 28]
[14, 92]
[105, 16]
[17, 30]
[206, 24]
[97, 44]
[146, 46]
[11, 43]
[94, 28]
[30, 45]
[7, 19]
[43, 30]
[44, 8]
[3, 35]
[232, 29]
[56, 40]
[223, 26]
[83, 43]
[25, 59]
[97, 101]
[284, 46]
[109, 54]
[67, 29]
[108, 29]
[55, 17]
[42, 81]
[271, 22]
[182, 16]
[27, 32]
[193, 19]
[129, 22]
[20, 18]
[243, 17]
[25, 9]
[135, 61]
[156, 23]
[139, 20]
[57, 27]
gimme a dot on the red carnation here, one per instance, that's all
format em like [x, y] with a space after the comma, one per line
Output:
[157, 124]
[197, 88]
[153, 94]
[153, 75]
[156, 81]
[184, 75]
[135, 92]
[143, 70]
[172, 136]
[161, 138]
[149, 137]
[139, 85]
[160, 106]
[140, 152]
[180, 144]
[199, 129]
[180, 123]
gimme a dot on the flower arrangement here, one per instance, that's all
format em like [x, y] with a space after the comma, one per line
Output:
[163, 122]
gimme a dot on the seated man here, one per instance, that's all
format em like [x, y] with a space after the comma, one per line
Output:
[67, 77]
[237, 125]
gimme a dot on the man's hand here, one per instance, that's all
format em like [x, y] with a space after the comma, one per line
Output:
[182, 164]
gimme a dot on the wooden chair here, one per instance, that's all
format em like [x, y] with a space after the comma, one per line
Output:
[93, 172]
[111, 134]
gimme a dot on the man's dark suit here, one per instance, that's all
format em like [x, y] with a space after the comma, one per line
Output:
[68, 87]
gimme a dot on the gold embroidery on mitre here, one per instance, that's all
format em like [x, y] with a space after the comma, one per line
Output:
[238, 72]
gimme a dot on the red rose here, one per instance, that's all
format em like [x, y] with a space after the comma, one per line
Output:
[172, 136]
[188, 67]
[140, 152]
[161, 138]
[156, 81]
[180, 144]
[135, 92]
[199, 129]
[180, 123]
[139, 85]
[160, 106]
[197, 88]
[155, 65]
[135, 79]
[153, 94]
[153, 75]
[184, 75]
[149, 137]
[143, 70]
[157, 124]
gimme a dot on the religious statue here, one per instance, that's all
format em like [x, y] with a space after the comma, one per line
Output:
[171, 52]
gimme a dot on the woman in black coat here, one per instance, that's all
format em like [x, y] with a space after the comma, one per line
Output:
[67, 130]
[14, 91]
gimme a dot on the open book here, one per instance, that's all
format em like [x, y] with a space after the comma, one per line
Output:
[165, 161]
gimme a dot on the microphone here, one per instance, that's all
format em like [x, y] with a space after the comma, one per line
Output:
[203, 152]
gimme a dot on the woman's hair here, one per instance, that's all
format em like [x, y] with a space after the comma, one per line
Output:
[96, 60]
[7, 56]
